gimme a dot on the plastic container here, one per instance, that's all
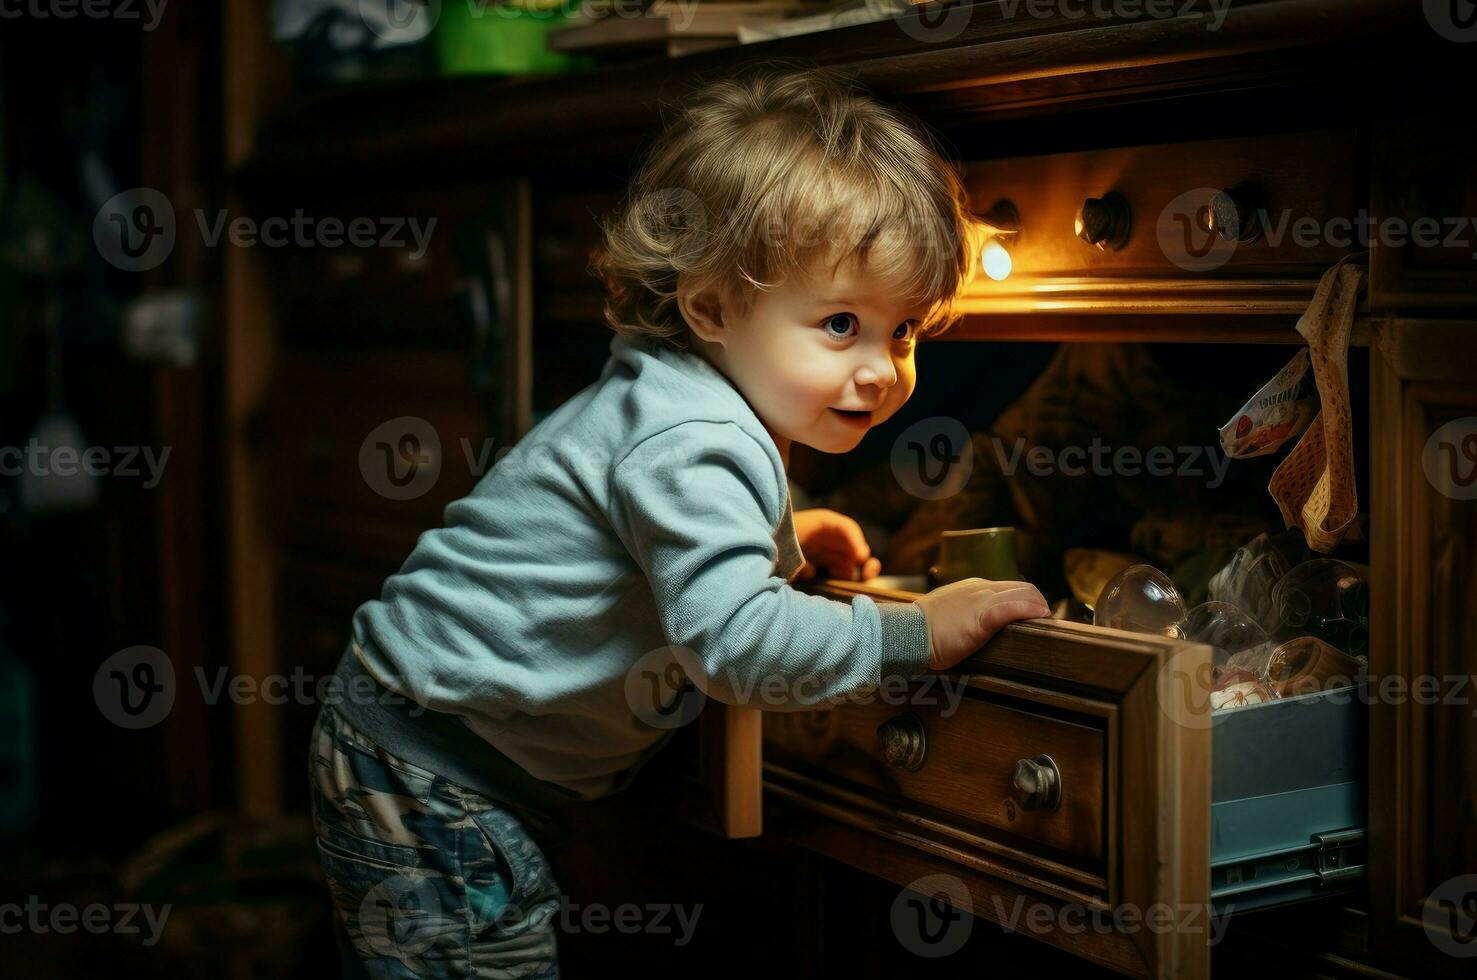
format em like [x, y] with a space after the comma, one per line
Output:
[487, 38]
[1288, 799]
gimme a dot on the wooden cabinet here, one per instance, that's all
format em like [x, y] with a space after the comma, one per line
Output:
[1333, 113]
[919, 790]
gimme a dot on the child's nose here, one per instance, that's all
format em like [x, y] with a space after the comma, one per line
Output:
[873, 375]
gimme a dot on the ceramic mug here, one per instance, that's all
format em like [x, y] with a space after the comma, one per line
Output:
[981, 552]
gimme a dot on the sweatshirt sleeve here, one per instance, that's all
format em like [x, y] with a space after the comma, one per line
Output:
[696, 505]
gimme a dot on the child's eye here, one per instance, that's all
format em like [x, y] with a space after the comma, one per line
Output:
[844, 319]
[909, 330]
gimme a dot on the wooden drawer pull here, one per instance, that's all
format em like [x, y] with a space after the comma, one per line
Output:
[1038, 783]
[902, 742]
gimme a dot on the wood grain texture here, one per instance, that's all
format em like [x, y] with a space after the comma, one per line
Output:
[1423, 750]
[996, 64]
[1127, 717]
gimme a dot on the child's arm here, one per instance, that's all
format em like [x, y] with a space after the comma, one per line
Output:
[696, 505]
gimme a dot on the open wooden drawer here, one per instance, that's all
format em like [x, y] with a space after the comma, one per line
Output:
[1062, 776]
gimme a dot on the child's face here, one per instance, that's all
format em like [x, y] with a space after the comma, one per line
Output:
[809, 350]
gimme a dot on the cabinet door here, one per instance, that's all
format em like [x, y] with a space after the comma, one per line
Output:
[1423, 649]
[1068, 783]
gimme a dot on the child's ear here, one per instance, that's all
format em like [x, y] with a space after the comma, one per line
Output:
[702, 309]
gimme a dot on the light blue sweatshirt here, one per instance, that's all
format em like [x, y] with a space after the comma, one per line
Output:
[650, 510]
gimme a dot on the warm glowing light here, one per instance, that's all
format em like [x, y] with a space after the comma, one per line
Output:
[996, 261]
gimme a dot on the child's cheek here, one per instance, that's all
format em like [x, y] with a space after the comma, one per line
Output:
[808, 388]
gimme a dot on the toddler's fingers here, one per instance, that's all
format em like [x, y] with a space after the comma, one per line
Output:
[1027, 603]
[1021, 592]
[1001, 613]
[853, 540]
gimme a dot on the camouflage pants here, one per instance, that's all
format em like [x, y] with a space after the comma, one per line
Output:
[428, 879]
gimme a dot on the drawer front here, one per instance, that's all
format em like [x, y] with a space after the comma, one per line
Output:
[1153, 205]
[1125, 722]
[971, 743]
[1425, 196]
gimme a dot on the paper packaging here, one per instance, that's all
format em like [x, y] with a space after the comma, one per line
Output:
[1280, 411]
[1314, 484]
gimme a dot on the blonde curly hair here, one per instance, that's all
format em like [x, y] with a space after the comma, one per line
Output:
[762, 175]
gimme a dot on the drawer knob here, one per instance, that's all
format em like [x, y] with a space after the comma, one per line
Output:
[1105, 221]
[902, 742]
[1236, 212]
[1038, 783]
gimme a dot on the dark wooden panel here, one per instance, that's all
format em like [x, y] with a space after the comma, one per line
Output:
[984, 59]
[316, 602]
[1425, 196]
[1423, 742]
[337, 423]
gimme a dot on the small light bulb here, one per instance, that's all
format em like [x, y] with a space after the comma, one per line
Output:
[996, 261]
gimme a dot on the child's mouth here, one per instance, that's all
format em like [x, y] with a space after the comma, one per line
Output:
[853, 418]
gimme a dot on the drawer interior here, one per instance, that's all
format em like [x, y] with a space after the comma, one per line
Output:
[1289, 797]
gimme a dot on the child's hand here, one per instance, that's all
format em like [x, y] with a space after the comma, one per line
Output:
[834, 542]
[963, 615]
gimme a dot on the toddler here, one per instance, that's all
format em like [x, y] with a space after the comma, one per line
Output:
[786, 243]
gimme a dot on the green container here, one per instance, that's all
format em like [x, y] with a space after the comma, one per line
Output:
[481, 37]
[984, 552]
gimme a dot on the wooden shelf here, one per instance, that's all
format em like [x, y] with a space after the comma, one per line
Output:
[1000, 64]
[1139, 327]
